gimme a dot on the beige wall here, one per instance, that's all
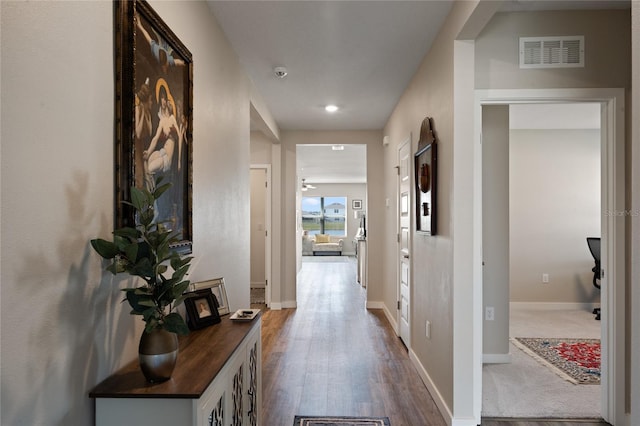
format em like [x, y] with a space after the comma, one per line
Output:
[260, 148]
[430, 93]
[495, 228]
[607, 45]
[634, 300]
[63, 326]
[555, 204]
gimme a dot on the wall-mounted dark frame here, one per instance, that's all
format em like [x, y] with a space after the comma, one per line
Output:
[426, 176]
[153, 117]
[425, 171]
[202, 309]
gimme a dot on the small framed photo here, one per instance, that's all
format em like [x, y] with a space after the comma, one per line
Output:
[201, 309]
[219, 293]
[356, 204]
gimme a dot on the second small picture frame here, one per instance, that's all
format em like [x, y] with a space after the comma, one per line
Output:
[217, 288]
[356, 204]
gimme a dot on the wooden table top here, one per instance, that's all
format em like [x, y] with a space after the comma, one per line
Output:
[201, 356]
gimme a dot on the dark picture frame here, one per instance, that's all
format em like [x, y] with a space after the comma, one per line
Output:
[426, 176]
[202, 309]
[153, 117]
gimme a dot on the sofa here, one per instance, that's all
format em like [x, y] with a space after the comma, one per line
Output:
[323, 244]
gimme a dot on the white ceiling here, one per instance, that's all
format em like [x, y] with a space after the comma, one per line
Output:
[359, 55]
[321, 164]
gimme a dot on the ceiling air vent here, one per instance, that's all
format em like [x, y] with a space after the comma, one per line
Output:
[552, 52]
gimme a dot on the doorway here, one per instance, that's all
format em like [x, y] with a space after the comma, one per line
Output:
[611, 103]
[331, 203]
[260, 251]
[541, 200]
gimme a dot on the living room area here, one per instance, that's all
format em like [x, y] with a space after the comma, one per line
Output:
[331, 198]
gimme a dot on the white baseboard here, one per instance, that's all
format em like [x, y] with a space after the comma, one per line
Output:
[433, 390]
[374, 305]
[275, 306]
[289, 304]
[496, 358]
[258, 284]
[553, 306]
[465, 421]
[392, 320]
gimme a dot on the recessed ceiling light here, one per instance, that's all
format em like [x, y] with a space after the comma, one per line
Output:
[331, 108]
[337, 147]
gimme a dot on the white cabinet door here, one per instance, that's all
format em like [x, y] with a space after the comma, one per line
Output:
[253, 407]
[212, 411]
[236, 388]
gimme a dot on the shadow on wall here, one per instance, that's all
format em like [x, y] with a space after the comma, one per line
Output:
[76, 339]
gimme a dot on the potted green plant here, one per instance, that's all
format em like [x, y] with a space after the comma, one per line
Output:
[145, 252]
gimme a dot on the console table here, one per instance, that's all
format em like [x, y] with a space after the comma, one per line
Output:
[217, 381]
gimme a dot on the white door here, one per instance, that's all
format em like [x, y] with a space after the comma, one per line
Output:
[260, 256]
[404, 240]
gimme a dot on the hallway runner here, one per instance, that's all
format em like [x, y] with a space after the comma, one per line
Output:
[340, 421]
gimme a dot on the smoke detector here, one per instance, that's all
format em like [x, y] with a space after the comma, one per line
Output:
[280, 72]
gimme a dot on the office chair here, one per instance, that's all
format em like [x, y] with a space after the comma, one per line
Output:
[594, 248]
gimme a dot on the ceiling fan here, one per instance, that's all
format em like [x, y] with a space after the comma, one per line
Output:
[306, 186]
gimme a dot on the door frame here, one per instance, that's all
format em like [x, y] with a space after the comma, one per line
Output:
[613, 225]
[267, 228]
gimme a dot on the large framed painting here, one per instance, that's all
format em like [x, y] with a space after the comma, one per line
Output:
[154, 117]
[425, 169]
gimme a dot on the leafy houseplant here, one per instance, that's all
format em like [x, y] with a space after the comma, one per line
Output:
[144, 252]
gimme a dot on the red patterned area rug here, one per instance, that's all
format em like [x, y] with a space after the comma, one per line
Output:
[575, 360]
[340, 421]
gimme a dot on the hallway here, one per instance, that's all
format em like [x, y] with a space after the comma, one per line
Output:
[331, 356]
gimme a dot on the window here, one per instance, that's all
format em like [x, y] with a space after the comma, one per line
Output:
[324, 215]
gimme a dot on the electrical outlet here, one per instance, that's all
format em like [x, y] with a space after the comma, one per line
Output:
[489, 313]
[428, 329]
[545, 278]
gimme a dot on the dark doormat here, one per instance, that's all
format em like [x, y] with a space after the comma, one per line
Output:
[340, 421]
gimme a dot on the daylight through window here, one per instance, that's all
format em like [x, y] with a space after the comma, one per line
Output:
[324, 215]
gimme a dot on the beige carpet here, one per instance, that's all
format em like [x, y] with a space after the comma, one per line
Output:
[522, 389]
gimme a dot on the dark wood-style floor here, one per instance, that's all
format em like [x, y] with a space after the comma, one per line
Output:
[331, 356]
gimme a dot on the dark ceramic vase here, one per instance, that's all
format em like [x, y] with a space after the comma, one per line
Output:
[157, 353]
